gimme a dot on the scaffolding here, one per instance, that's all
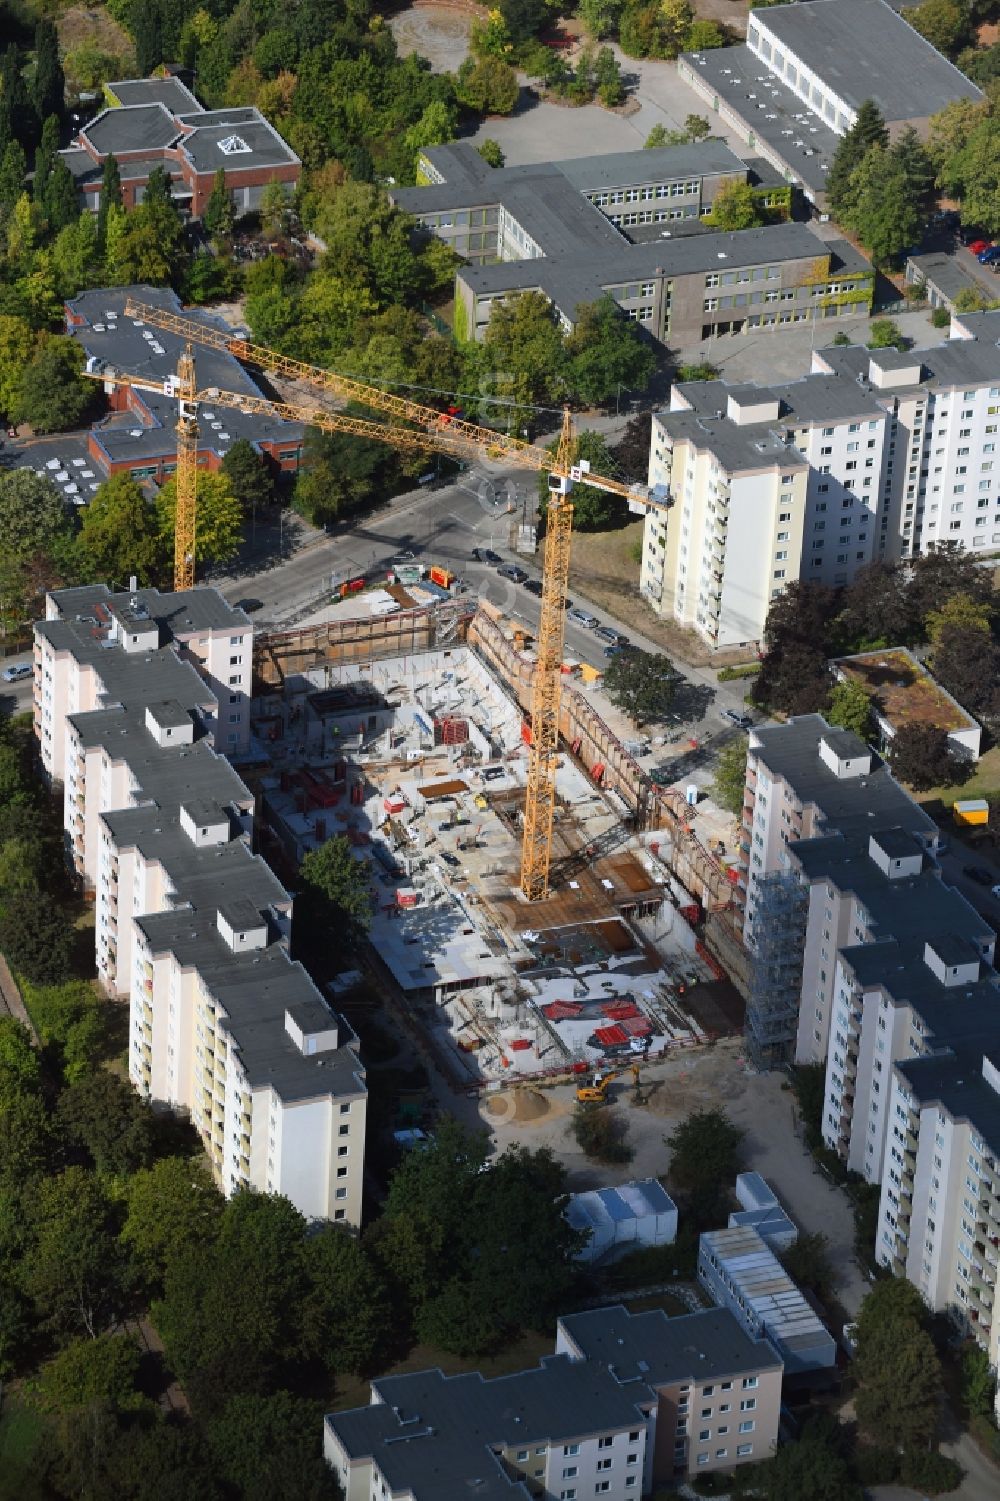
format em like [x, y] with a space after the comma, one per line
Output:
[775, 950]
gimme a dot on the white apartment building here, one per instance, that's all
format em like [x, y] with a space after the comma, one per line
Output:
[939, 1215]
[876, 455]
[190, 925]
[628, 1403]
[769, 484]
[941, 472]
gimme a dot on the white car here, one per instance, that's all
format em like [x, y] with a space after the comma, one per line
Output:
[17, 673]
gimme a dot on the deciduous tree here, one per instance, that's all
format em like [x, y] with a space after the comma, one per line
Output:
[89, 1371]
[703, 1162]
[850, 708]
[729, 782]
[219, 520]
[735, 207]
[172, 1209]
[218, 217]
[944, 23]
[338, 887]
[606, 354]
[919, 755]
[265, 1449]
[249, 477]
[35, 936]
[105, 1120]
[74, 1269]
[54, 395]
[641, 684]
[120, 534]
[898, 1371]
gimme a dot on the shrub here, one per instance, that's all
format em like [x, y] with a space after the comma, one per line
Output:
[927, 1470]
[601, 1134]
[876, 1466]
[940, 318]
[743, 670]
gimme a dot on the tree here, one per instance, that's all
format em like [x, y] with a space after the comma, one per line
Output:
[341, 474]
[18, 117]
[172, 1209]
[525, 353]
[897, 1369]
[119, 533]
[87, 1371]
[966, 661]
[729, 782]
[920, 756]
[72, 1022]
[701, 371]
[19, 1065]
[593, 509]
[45, 159]
[944, 23]
[337, 886]
[879, 609]
[265, 1448]
[978, 1382]
[111, 196]
[960, 612]
[878, 203]
[32, 514]
[869, 130]
[850, 708]
[74, 1270]
[48, 85]
[148, 37]
[814, 1466]
[696, 127]
[219, 521]
[523, 18]
[641, 684]
[35, 936]
[807, 1262]
[799, 636]
[607, 354]
[735, 207]
[658, 138]
[13, 167]
[17, 342]
[346, 1310]
[491, 152]
[54, 395]
[912, 161]
[103, 1116]
[248, 475]
[218, 216]
[275, 208]
[704, 1161]
[601, 17]
[608, 78]
[74, 257]
[487, 85]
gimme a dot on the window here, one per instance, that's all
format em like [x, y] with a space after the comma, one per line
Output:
[569, 1495]
[748, 1404]
[747, 1426]
[703, 1459]
[743, 1450]
[704, 1434]
[605, 1443]
[605, 1464]
[601, 1487]
[569, 1471]
[522, 1455]
[571, 1448]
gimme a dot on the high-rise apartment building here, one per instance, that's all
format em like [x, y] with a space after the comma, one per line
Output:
[865, 962]
[876, 455]
[136, 697]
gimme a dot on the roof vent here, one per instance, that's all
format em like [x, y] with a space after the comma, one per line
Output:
[234, 146]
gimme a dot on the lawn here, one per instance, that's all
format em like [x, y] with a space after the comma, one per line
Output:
[21, 1431]
[519, 1356]
[984, 782]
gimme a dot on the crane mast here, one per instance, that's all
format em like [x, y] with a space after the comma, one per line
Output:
[431, 430]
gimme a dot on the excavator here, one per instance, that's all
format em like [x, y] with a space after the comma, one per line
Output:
[595, 1092]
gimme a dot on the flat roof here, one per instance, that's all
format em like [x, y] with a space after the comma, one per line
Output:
[766, 1292]
[573, 278]
[955, 1083]
[437, 1437]
[141, 127]
[661, 1350]
[904, 690]
[781, 121]
[946, 367]
[861, 49]
[849, 805]
[170, 92]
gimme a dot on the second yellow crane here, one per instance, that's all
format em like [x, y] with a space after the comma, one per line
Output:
[431, 430]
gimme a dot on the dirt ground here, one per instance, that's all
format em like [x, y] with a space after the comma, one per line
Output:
[604, 567]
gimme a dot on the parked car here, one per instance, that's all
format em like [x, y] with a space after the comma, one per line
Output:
[607, 634]
[740, 720]
[486, 555]
[981, 874]
[977, 246]
[583, 618]
[534, 586]
[249, 606]
[989, 256]
[512, 572]
[17, 673]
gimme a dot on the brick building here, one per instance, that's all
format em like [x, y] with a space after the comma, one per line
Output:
[158, 122]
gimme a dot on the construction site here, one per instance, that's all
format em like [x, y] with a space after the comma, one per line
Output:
[407, 734]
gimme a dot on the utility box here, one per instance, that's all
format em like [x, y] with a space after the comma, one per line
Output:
[971, 810]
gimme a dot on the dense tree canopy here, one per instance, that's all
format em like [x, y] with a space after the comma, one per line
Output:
[641, 684]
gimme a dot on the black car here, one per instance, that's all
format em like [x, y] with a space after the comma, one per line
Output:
[615, 638]
[486, 555]
[249, 606]
[512, 572]
[534, 586]
[978, 873]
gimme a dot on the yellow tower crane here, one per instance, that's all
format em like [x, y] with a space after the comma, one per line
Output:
[430, 430]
